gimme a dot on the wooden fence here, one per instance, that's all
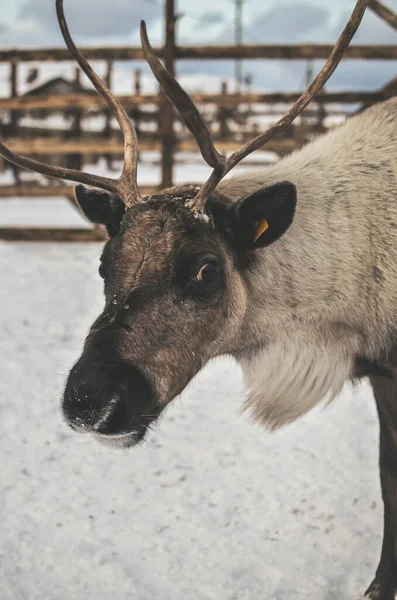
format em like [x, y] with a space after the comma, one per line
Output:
[78, 144]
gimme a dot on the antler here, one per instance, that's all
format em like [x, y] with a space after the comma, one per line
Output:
[183, 103]
[126, 185]
[384, 12]
[196, 125]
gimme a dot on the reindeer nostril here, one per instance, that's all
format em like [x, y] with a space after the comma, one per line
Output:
[79, 426]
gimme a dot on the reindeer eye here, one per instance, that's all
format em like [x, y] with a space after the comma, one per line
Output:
[101, 271]
[207, 273]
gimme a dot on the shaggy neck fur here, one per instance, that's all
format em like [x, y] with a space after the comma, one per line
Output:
[327, 290]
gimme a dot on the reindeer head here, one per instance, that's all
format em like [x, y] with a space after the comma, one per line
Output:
[174, 298]
[173, 268]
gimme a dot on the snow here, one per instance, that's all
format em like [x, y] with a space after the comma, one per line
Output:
[41, 212]
[210, 508]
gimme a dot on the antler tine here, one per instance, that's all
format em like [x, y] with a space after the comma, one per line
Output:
[199, 202]
[184, 105]
[127, 182]
[105, 183]
[126, 185]
[384, 12]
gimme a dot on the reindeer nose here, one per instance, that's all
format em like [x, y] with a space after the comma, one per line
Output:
[105, 400]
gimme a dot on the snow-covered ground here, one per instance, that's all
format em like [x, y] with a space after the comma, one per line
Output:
[210, 508]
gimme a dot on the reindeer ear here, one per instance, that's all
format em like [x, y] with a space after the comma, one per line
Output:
[264, 216]
[101, 207]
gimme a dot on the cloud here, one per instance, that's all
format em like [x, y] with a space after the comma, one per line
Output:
[26, 33]
[210, 17]
[92, 18]
[373, 30]
[302, 22]
[288, 22]
[364, 74]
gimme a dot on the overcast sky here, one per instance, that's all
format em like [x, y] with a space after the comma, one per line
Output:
[33, 23]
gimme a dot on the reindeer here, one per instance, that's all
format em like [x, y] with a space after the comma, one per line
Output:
[292, 271]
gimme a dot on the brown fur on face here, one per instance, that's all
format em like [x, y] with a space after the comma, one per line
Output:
[162, 322]
[172, 332]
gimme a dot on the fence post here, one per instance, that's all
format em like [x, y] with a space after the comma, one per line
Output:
[223, 112]
[14, 114]
[107, 132]
[14, 94]
[166, 114]
[136, 111]
[75, 161]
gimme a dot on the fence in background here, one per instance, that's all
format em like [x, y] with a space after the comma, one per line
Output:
[233, 117]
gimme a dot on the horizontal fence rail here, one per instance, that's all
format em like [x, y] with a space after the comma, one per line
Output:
[53, 146]
[35, 190]
[52, 234]
[88, 101]
[225, 52]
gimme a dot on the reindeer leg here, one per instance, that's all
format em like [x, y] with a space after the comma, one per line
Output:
[384, 586]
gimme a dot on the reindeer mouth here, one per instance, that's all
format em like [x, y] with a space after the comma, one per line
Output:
[124, 440]
[116, 404]
[118, 429]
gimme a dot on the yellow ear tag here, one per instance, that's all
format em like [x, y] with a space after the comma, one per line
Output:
[260, 227]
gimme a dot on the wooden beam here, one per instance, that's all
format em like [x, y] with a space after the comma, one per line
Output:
[14, 114]
[48, 146]
[384, 12]
[14, 93]
[59, 146]
[35, 190]
[166, 110]
[226, 52]
[390, 87]
[75, 161]
[53, 234]
[82, 101]
[86, 101]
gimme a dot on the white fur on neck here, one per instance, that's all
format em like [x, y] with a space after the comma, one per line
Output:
[286, 379]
